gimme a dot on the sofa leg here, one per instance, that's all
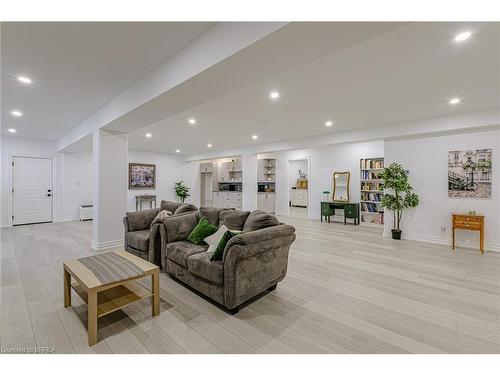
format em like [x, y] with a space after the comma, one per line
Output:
[234, 311]
[273, 287]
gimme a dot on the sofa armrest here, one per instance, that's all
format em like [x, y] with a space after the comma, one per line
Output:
[126, 224]
[141, 220]
[248, 244]
[255, 261]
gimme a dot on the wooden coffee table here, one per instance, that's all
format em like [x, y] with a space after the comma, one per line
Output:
[107, 282]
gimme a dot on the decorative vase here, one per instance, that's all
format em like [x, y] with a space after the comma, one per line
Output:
[396, 234]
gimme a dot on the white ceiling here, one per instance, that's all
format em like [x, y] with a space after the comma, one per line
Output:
[404, 75]
[78, 67]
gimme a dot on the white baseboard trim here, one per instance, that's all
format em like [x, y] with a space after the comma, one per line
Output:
[440, 240]
[99, 246]
[68, 218]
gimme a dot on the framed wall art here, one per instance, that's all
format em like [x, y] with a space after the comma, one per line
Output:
[469, 173]
[141, 176]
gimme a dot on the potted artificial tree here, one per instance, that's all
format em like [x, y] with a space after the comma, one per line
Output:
[398, 195]
[182, 191]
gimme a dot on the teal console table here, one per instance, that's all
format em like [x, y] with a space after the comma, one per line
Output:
[351, 211]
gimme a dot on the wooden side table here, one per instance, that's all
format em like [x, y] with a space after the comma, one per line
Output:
[468, 222]
[139, 199]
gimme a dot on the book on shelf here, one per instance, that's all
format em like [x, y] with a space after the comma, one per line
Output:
[371, 163]
[370, 175]
[371, 186]
[375, 197]
[370, 207]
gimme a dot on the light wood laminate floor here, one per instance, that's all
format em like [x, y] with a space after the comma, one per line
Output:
[348, 290]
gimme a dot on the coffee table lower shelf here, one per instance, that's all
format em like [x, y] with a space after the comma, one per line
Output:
[116, 298]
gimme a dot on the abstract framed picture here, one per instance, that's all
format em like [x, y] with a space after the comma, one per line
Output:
[469, 173]
[141, 176]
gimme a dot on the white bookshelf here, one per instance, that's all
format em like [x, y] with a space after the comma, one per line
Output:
[371, 190]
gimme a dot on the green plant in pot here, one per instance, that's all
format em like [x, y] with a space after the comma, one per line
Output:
[182, 191]
[398, 195]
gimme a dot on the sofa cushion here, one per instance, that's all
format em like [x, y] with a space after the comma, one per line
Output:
[185, 207]
[169, 205]
[178, 227]
[139, 240]
[215, 238]
[221, 246]
[201, 266]
[259, 219]
[180, 251]
[233, 220]
[202, 230]
[211, 213]
[140, 220]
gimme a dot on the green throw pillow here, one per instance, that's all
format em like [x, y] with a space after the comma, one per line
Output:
[219, 252]
[202, 230]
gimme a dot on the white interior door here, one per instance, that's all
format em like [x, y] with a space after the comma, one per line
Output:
[32, 190]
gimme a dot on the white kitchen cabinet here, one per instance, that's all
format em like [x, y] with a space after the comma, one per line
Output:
[227, 199]
[298, 197]
[206, 167]
[223, 169]
[266, 202]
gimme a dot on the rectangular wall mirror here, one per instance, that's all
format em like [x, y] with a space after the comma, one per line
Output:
[341, 186]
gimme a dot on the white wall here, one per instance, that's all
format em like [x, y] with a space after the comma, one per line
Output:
[427, 161]
[324, 160]
[76, 184]
[169, 169]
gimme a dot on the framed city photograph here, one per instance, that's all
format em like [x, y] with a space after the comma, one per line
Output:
[469, 173]
[141, 176]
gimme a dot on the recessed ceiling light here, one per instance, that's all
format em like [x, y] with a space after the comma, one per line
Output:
[24, 80]
[328, 123]
[192, 121]
[177, 151]
[16, 113]
[209, 145]
[255, 136]
[455, 101]
[274, 95]
[463, 36]
[12, 130]
[149, 135]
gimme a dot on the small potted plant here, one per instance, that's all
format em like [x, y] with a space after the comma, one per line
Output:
[182, 191]
[398, 195]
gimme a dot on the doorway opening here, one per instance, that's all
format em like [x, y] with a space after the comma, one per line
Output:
[298, 187]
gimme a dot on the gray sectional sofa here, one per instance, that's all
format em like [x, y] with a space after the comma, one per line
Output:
[253, 262]
[143, 239]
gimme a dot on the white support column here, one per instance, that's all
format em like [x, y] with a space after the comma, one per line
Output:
[249, 165]
[109, 188]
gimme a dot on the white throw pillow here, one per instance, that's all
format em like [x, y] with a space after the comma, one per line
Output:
[214, 239]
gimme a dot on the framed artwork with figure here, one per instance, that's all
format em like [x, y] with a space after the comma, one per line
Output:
[141, 176]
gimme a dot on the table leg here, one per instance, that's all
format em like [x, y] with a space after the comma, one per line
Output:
[453, 239]
[137, 205]
[92, 317]
[156, 293]
[67, 289]
[481, 240]
[150, 204]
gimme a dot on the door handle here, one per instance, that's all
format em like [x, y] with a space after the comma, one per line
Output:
[48, 191]
[49, 195]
